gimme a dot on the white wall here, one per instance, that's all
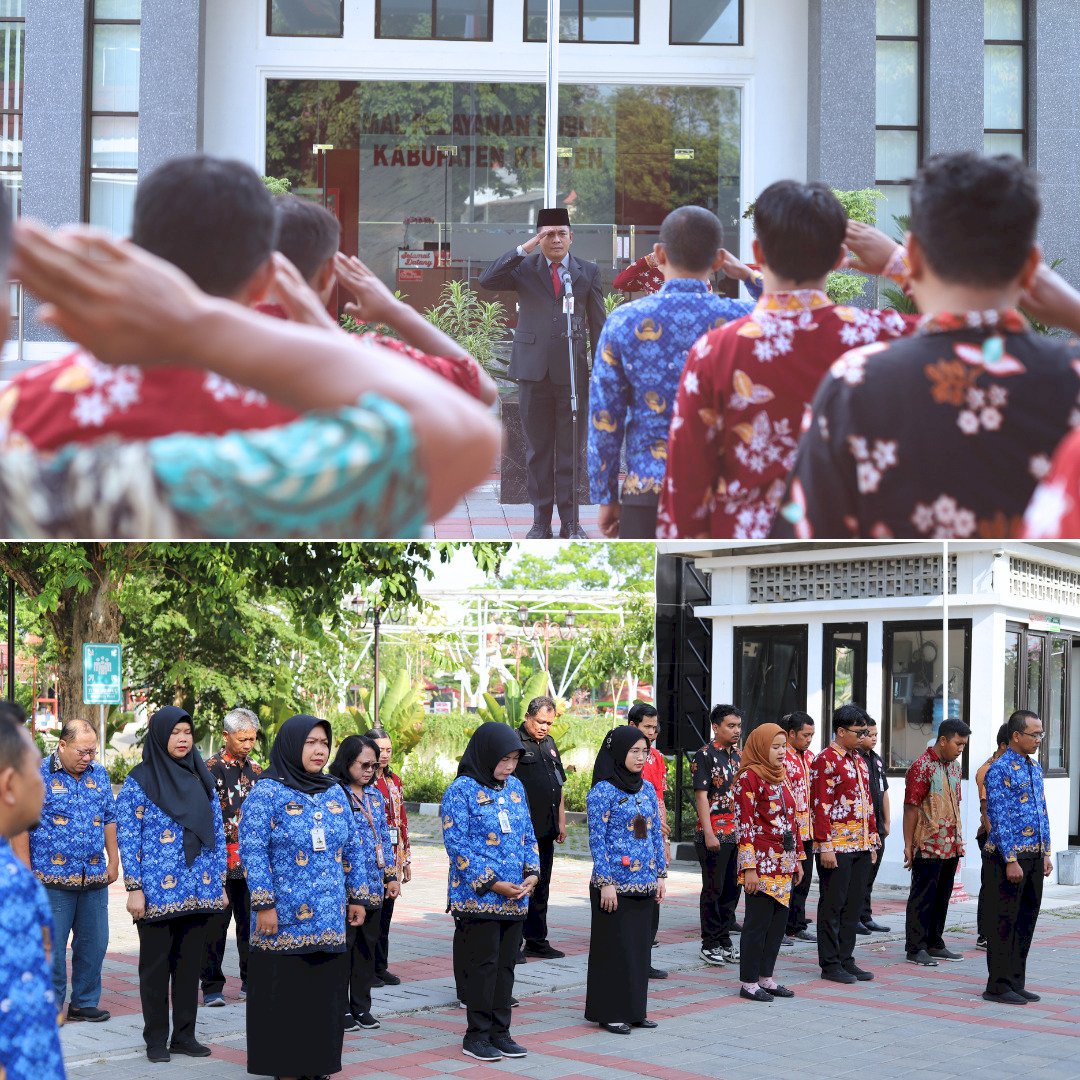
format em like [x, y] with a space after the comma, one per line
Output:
[771, 68]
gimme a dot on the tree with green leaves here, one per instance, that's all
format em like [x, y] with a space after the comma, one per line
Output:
[624, 567]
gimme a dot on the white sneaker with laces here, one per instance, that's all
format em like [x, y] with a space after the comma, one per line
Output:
[712, 956]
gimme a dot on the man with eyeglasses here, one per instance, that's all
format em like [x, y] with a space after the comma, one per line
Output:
[845, 834]
[73, 853]
[1016, 859]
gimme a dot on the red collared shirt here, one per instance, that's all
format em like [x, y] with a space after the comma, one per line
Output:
[797, 767]
[655, 773]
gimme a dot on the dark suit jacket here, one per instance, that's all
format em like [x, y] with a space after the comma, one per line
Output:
[540, 337]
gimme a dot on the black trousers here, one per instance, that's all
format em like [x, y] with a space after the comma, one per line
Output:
[980, 914]
[842, 893]
[536, 927]
[1011, 914]
[928, 902]
[170, 956]
[866, 913]
[655, 919]
[719, 893]
[382, 944]
[485, 952]
[763, 930]
[362, 941]
[549, 453]
[796, 918]
[637, 520]
[217, 930]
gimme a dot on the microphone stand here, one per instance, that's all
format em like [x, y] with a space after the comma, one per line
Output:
[568, 311]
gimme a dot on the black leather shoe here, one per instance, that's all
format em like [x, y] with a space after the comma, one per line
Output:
[1027, 995]
[656, 973]
[572, 532]
[645, 1024]
[389, 978]
[861, 974]
[190, 1049]
[838, 975]
[755, 995]
[779, 991]
[806, 935]
[876, 927]
[544, 951]
[1007, 997]
[862, 929]
[617, 1029]
[539, 532]
[157, 1054]
[89, 1014]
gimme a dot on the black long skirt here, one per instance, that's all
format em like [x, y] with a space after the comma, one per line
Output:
[620, 948]
[295, 1011]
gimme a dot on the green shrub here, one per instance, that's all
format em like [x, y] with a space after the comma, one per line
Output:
[576, 790]
[119, 768]
[424, 782]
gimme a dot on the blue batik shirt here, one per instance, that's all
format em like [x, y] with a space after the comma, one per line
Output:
[29, 1039]
[67, 850]
[1016, 808]
[482, 852]
[152, 850]
[308, 889]
[632, 864]
[635, 378]
[377, 865]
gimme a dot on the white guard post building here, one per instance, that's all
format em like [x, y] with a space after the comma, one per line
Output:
[421, 123]
[811, 626]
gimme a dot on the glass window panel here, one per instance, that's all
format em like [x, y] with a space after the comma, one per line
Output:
[11, 138]
[465, 19]
[898, 83]
[1054, 722]
[12, 184]
[1003, 20]
[897, 154]
[897, 18]
[112, 200]
[116, 69]
[997, 143]
[1012, 674]
[114, 142]
[916, 681]
[896, 204]
[705, 22]
[12, 9]
[11, 43]
[1003, 86]
[1034, 674]
[608, 20]
[117, 9]
[310, 18]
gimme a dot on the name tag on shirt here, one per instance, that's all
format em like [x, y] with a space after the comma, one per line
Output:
[504, 821]
[318, 838]
[395, 836]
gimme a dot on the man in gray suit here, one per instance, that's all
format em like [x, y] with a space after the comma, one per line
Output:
[541, 365]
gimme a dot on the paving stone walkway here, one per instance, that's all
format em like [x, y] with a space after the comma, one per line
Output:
[908, 1023]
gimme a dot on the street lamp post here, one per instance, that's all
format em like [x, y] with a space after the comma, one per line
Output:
[564, 630]
[359, 604]
[11, 639]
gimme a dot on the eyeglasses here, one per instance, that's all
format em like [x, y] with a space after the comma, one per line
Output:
[639, 753]
[860, 732]
[85, 755]
[1038, 736]
[367, 764]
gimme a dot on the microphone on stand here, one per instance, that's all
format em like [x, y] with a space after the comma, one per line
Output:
[568, 287]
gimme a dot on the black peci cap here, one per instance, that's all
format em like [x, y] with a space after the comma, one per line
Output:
[558, 216]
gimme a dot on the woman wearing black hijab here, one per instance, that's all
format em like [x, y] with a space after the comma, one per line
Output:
[169, 829]
[354, 767]
[301, 850]
[494, 867]
[628, 878]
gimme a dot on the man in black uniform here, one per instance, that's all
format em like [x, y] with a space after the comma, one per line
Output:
[540, 362]
[540, 770]
[879, 796]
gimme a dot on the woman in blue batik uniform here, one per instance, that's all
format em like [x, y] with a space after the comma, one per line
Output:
[628, 878]
[301, 850]
[354, 767]
[494, 867]
[172, 843]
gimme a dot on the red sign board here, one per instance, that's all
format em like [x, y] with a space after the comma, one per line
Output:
[410, 275]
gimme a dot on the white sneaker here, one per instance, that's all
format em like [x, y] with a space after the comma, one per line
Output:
[730, 954]
[712, 956]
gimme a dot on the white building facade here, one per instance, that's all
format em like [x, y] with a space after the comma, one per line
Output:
[813, 626]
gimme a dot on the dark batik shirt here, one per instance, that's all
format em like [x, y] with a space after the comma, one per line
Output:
[233, 780]
[944, 434]
[714, 770]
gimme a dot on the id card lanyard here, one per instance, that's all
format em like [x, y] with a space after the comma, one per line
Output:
[366, 811]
